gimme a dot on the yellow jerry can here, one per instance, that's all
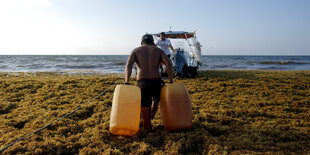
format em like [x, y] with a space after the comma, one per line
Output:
[125, 112]
[175, 107]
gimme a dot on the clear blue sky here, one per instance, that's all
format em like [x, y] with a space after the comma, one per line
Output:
[224, 27]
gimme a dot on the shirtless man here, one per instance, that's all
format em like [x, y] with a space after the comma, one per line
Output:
[148, 58]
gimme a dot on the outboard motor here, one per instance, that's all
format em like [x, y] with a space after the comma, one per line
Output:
[180, 63]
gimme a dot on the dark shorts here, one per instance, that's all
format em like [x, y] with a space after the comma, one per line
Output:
[150, 89]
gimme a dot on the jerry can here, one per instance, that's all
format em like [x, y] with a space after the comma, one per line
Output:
[175, 107]
[125, 112]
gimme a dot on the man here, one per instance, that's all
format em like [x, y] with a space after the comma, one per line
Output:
[164, 44]
[148, 58]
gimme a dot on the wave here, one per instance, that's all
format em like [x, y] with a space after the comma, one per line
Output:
[76, 66]
[279, 62]
[119, 62]
[4, 66]
[223, 66]
[272, 68]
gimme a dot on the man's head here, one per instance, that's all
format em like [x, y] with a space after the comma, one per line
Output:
[147, 39]
[162, 36]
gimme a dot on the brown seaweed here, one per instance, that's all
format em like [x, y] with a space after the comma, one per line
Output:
[234, 112]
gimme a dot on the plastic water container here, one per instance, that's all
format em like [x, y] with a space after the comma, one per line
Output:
[175, 107]
[125, 113]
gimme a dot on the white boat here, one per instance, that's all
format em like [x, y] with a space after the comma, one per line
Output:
[187, 58]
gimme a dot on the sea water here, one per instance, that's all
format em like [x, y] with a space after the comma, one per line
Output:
[116, 63]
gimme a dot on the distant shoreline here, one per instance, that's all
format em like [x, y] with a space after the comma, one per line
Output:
[201, 72]
[93, 73]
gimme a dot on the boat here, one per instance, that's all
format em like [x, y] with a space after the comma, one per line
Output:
[187, 58]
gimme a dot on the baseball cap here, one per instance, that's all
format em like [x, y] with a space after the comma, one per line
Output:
[148, 38]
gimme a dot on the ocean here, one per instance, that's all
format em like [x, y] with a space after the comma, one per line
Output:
[116, 63]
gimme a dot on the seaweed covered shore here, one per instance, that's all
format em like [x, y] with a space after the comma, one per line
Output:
[234, 112]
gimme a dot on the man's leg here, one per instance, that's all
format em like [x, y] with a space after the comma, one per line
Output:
[146, 114]
[156, 96]
[154, 109]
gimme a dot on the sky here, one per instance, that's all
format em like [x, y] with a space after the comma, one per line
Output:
[113, 27]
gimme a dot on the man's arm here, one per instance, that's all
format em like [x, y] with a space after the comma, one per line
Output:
[172, 49]
[168, 64]
[170, 46]
[131, 60]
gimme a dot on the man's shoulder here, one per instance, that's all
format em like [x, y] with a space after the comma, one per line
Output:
[137, 49]
[145, 47]
[156, 48]
[159, 50]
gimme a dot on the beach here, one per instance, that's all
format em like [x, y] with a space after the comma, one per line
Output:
[234, 112]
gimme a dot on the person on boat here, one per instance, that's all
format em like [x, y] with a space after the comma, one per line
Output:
[164, 44]
[148, 58]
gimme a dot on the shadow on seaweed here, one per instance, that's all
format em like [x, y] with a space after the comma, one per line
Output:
[7, 108]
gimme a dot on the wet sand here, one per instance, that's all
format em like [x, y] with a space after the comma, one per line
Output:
[234, 111]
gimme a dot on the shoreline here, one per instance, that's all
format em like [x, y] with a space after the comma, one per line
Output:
[234, 111]
[90, 72]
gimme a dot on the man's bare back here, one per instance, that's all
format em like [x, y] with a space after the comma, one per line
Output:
[147, 58]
